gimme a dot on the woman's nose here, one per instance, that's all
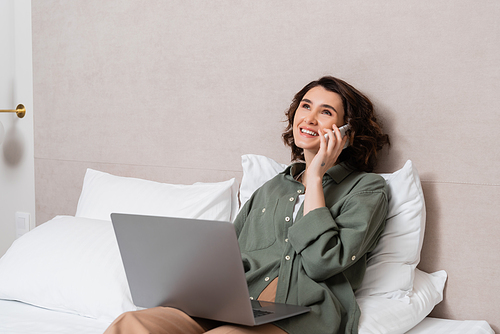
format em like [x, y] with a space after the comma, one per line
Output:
[311, 118]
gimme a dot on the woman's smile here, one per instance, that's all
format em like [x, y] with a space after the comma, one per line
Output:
[309, 132]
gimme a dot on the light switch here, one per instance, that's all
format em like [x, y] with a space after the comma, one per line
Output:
[22, 223]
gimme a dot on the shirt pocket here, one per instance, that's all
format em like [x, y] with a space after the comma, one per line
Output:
[258, 231]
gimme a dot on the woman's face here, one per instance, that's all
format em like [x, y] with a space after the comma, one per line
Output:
[319, 109]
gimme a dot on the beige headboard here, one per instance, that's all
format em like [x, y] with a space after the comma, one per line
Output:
[176, 91]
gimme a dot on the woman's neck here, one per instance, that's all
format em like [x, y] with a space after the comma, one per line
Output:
[308, 157]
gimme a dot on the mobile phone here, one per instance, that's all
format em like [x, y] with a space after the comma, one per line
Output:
[343, 130]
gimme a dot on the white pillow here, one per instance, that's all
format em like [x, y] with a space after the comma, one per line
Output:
[389, 316]
[103, 194]
[68, 264]
[391, 265]
[257, 170]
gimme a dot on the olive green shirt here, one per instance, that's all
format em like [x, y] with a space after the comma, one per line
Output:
[320, 258]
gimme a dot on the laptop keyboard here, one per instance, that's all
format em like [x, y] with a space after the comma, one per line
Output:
[260, 313]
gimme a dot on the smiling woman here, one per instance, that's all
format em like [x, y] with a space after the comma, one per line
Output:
[334, 101]
[319, 112]
[304, 235]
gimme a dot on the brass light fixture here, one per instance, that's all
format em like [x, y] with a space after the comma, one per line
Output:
[20, 111]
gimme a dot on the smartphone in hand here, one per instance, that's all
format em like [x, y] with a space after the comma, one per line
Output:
[343, 130]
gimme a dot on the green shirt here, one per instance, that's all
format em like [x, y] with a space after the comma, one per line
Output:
[320, 258]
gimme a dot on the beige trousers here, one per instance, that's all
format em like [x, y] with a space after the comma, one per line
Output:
[167, 320]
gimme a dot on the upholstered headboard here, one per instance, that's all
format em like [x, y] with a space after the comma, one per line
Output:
[177, 91]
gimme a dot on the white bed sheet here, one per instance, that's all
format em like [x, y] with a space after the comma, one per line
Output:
[444, 326]
[20, 318]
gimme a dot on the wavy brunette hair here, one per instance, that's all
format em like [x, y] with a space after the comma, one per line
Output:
[365, 134]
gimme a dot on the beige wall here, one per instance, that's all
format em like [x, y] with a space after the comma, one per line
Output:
[176, 91]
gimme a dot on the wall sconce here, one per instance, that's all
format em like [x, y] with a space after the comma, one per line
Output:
[20, 112]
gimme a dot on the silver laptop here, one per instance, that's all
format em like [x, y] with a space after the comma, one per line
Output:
[192, 265]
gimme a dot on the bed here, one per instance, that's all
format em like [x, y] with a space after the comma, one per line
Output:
[66, 275]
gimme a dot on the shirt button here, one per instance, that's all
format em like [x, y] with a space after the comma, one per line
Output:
[299, 191]
[287, 258]
[251, 298]
[287, 219]
[292, 199]
[353, 257]
[286, 240]
[266, 279]
[263, 210]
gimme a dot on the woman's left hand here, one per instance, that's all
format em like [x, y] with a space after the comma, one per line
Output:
[328, 153]
[325, 158]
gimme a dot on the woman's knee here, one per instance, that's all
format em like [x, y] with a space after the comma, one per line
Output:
[161, 320]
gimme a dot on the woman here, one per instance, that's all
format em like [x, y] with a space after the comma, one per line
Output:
[304, 235]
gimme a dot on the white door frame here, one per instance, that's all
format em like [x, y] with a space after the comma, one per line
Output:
[17, 177]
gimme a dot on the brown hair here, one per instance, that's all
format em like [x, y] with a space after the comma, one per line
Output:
[365, 134]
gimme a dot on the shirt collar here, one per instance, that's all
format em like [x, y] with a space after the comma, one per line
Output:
[338, 172]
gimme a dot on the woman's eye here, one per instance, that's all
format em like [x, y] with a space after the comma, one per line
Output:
[306, 106]
[327, 112]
